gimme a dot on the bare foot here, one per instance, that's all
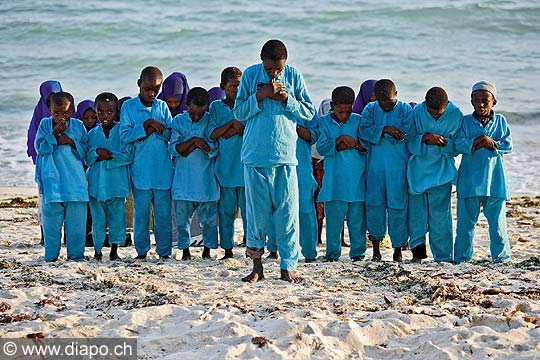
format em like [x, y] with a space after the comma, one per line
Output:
[206, 253]
[113, 255]
[376, 250]
[186, 255]
[228, 254]
[288, 276]
[272, 255]
[256, 274]
[397, 255]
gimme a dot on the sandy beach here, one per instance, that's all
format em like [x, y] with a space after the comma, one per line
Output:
[201, 309]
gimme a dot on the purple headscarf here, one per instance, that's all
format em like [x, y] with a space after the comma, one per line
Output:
[367, 90]
[40, 111]
[175, 86]
[216, 93]
[121, 102]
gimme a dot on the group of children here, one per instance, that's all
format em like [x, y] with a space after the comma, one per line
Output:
[388, 167]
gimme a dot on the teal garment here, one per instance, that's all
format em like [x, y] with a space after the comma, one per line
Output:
[481, 172]
[59, 171]
[431, 165]
[230, 199]
[207, 213]
[344, 171]
[431, 212]
[272, 198]
[194, 178]
[379, 218]
[108, 214]
[71, 215]
[468, 210]
[386, 176]
[152, 165]
[270, 133]
[108, 179]
[304, 170]
[228, 167]
[354, 212]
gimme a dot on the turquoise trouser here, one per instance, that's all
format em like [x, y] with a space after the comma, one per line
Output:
[208, 217]
[431, 212]
[108, 214]
[378, 218]
[71, 214]
[468, 210]
[230, 198]
[308, 235]
[272, 197]
[335, 213]
[161, 205]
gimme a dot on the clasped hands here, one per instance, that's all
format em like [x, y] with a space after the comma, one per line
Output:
[346, 142]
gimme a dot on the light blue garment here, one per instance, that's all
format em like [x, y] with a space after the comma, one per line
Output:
[270, 133]
[431, 165]
[230, 198]
[71, 214]
[228, 168]
[152, 165]
[111, 214]
[431, 212]
[481, 172]
[162, 207]
[468, 210]
[194, 178]
[344, 171]
[208, 217]
[387, 160]
[336, 212]
[59, 171]
[378, 218]
[108, 179]
[272, 196]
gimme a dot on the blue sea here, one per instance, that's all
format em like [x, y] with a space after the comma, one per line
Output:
[97, 46]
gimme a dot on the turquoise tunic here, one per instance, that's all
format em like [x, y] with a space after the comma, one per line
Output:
[481, 172]
[344, 171]
[59, 171]
[306, 181]
[108, 179]
[431, 165]
[152, 165]
[388, 157]
[228, 167]
[194, 178]
[270, 133]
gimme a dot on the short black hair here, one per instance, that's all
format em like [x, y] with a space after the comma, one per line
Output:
[151, 73]
[274, 50]
[436, 98]
[61, 98]
[343, 95]
[231, 72]
[198, 96]
[107, 97]
[384, 89]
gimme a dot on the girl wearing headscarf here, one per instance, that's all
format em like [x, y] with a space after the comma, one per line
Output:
[87, 114]
[174, 92]
[366, 94]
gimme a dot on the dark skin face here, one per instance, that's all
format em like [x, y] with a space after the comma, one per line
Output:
[148, 90]
[230, 89]
[106, 113]
[388, 104]
[273, 90]
[61, 114]
[436, 113]
[89, 119]
[341, 112]
[196, 112]
[483, 102]
[173, 103]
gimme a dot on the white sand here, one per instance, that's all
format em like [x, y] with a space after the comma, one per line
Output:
[201, 309]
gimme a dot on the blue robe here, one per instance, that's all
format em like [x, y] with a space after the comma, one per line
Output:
[431, 173]
[269, 156]
[229, 172]
[482, 181]
[343, 187]
[62, 183]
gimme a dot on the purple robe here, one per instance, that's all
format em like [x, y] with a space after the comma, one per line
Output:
[175, 86]
[367, 90]
[40, 111]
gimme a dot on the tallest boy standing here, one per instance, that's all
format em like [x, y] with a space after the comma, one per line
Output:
[271, 97]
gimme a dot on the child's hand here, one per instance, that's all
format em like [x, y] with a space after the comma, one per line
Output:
[486, 142]
[60, 127]
[203, 145]
[347, 140]
[434, 139]
[152, 125]
[229, 133]
[394, 132]
[238, 126]
[359, 147]
[65, 140]
[103, 154]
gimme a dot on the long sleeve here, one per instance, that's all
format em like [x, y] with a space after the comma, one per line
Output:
[45, 142]
[370, 131]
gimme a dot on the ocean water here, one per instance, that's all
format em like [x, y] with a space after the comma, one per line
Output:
[102, 46]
